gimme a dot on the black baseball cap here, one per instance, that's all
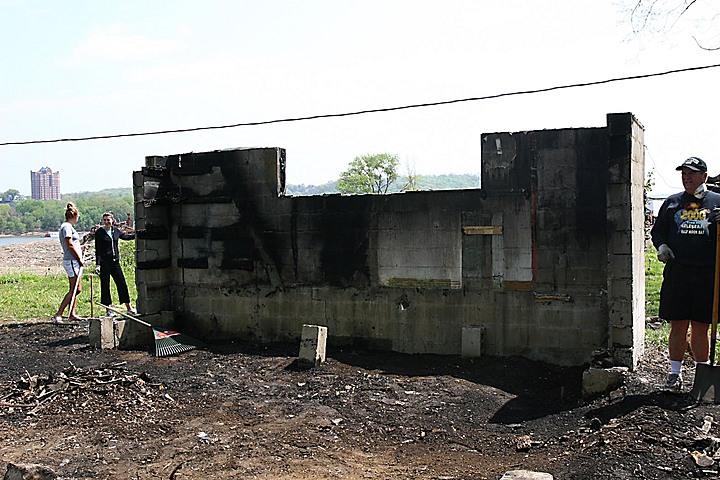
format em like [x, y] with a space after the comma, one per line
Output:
[694, 163]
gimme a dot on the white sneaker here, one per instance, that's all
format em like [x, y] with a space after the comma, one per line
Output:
[132, 311]
[674, 383]
[110, 313]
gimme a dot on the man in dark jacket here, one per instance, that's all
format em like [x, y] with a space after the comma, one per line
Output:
[107, 259]
[684, 234]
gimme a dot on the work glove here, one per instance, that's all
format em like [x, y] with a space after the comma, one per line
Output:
[665, 254]
[97, 270]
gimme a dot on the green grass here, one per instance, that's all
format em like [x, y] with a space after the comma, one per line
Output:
[659, 336]
[26, 296]
[653, 281]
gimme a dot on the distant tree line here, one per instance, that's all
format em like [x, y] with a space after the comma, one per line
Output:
[28, 215]
[378, 174]
[20, 214]
[425, 182]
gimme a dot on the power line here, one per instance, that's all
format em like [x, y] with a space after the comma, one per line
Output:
[362, 112]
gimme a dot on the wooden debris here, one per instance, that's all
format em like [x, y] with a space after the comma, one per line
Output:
[32, 393]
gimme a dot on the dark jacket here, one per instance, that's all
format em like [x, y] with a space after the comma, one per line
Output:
[106, 248]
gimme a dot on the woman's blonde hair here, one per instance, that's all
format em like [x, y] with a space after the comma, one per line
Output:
[71, 211]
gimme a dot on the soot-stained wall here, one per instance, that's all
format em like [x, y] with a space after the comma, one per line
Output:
[544, 260]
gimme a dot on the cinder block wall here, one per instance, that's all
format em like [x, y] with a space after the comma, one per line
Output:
[547, 255]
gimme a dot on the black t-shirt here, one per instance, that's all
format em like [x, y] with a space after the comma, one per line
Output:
[683, 224]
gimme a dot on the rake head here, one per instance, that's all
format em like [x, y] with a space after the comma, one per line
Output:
[171, 342]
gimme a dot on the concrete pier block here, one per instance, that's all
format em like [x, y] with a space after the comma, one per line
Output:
[473, 341]
[526, 475]
[596, 381]
[312, 345]
[105, 332]
[20, 471]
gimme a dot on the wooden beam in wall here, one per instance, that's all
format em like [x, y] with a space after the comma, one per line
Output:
[517, 286]
[549, 297]
[483, 230]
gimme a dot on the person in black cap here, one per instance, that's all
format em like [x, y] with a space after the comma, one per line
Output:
[684, 234]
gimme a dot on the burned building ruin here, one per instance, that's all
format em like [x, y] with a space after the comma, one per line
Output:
[544, 260]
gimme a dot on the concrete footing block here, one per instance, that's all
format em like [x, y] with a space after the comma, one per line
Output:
[596, 381]
[312, 346]
[19, 471]
[526, 475]
[473, 341]
[105, 332]
[118, 333]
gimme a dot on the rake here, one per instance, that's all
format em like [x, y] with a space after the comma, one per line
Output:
[167, 342]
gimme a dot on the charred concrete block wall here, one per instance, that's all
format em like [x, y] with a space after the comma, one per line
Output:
[626, 239]
[547, 255]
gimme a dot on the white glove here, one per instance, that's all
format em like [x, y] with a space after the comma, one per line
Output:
[665, 254]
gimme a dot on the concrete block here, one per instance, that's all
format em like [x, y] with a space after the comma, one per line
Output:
[105, 332]
[473, 341]
[597, 381]
[622, 335]
[620, 245]
[133, 335]
[628, 356]
[200, 303]
[620, 289]
[525, 475]
[312, 345]
[29, 471]
[118, 333]
[167, 318]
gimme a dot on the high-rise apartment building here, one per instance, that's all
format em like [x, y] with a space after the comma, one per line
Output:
[45, 184]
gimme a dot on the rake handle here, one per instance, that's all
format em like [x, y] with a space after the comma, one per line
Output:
[92, 297]
[124, 314]
[716, 296]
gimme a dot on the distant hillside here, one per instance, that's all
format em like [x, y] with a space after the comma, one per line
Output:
[302, 189]
[447, 182]
[426, 182]
[107, 193]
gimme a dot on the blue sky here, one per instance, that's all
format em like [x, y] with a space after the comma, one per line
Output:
[85, 68]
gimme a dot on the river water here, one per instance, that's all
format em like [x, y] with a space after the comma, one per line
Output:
[11, 240]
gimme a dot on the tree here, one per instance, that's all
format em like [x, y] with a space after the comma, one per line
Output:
[369, 174]
[5, 216]
[412, 179]
[649, 219]
[662, 16]
[46, 215]
[9, 195]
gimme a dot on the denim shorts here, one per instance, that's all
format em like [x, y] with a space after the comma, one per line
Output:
[72, 267]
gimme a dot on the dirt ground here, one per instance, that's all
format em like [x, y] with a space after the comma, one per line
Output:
[42, 256]
[246, 411]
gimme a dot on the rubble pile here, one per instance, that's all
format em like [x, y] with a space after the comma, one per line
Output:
[75, 388]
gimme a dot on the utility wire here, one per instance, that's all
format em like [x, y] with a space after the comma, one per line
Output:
[362, 112]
